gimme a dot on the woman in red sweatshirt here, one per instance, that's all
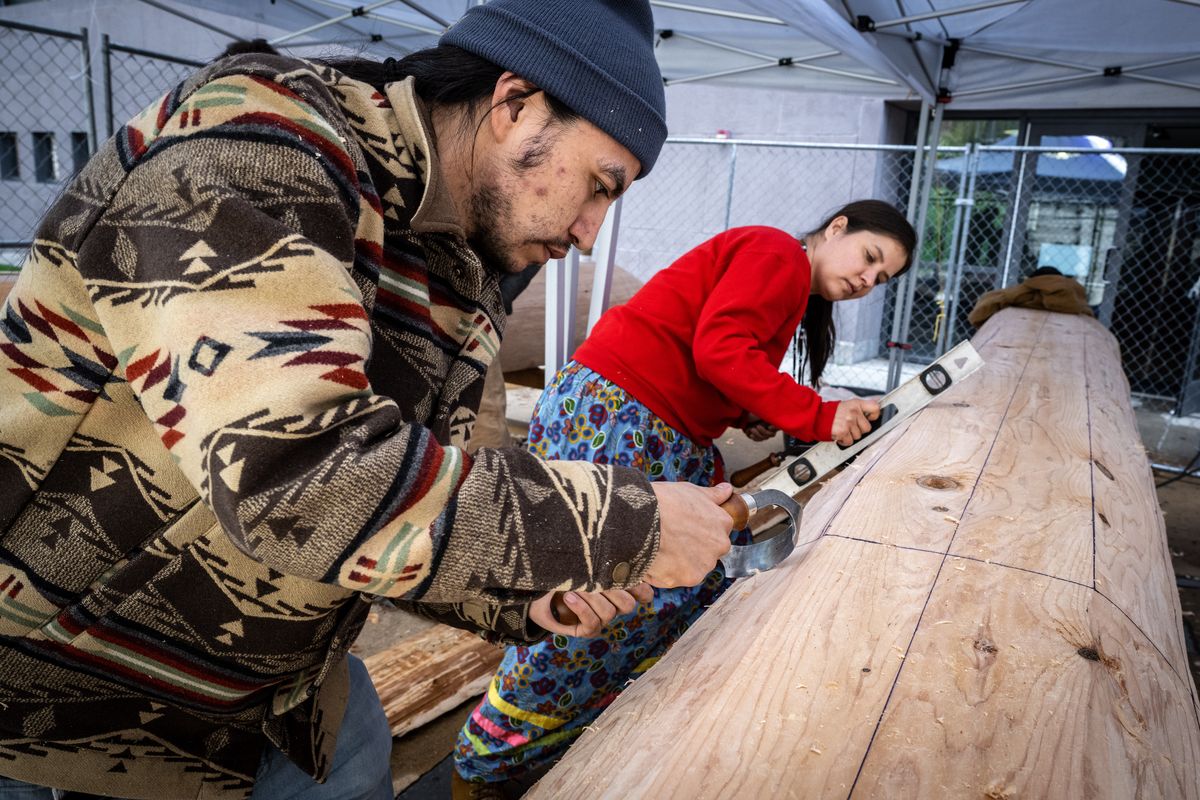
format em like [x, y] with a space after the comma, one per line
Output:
[694, 352]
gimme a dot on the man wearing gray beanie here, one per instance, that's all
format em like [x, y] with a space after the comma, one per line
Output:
[597, 58]
[239, 373]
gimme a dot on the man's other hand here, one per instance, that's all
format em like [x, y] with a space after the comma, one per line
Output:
[587, 612]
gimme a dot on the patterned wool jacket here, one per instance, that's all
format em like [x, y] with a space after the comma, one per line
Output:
[236, 372]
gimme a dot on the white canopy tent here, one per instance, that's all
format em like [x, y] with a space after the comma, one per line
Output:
[992, 54]
[999, 55]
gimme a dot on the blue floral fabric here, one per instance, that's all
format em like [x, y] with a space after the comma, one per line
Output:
[544, 695]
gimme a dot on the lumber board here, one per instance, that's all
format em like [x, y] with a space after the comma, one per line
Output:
[982, 606]
[425, 675]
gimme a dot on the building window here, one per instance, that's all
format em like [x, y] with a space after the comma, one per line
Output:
[10, 167]
[44, 168]
[80, 151]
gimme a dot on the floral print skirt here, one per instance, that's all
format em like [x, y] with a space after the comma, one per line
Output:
[543, 696]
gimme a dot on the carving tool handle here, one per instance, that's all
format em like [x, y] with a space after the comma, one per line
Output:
[738, 510]
[746, 474]
[562, 612]
[736, 507]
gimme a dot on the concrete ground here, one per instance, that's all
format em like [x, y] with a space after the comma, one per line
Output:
[420, 760]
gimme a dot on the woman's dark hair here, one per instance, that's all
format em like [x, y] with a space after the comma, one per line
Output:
[875, 216]
[445, 76]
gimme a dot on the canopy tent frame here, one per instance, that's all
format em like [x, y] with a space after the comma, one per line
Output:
[359, 11]
[931, 68]
[799, 62]
[390, 21]
[717, 12]
[949, 12]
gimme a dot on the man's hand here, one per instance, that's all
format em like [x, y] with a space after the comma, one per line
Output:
[591, 610]
[853, 419]
[695, 532]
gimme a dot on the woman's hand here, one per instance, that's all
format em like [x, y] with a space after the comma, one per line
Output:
[853, 420]
[758, 430]
[592, 610]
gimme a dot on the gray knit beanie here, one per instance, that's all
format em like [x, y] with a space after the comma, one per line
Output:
[596, 56]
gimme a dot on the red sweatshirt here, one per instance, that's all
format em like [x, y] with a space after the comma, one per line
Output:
[700, 344]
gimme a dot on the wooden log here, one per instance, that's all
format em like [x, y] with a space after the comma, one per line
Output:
[986, 609]
[425, 675]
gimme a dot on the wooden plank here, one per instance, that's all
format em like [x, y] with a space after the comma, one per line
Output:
[1017, 646]
[424, 676]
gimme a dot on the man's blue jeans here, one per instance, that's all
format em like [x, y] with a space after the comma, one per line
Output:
[361, 762]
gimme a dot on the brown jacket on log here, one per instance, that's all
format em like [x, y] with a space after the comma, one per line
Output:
[1048, 292]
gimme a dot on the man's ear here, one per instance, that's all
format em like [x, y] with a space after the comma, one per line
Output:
[510, 104]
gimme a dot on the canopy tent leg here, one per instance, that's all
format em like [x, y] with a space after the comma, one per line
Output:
[958, 238]
[927, 163]
[960, 255]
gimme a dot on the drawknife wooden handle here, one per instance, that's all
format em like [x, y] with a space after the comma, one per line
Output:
[735, 507]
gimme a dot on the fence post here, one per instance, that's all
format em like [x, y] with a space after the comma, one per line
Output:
[956, 236]
[604, 256]
[1018, 211]
[553, 325]
[86, 43]
[729, 188]
[562, 279]
[1114, 259]
[108, 86]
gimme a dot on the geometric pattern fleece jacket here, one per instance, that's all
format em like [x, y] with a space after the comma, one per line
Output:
[236, 374]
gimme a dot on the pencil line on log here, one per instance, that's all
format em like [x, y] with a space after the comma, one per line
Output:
[1087, 392]
[937, 575]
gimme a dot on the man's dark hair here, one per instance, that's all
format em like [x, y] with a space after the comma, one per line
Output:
[875, 216]
[445, 75]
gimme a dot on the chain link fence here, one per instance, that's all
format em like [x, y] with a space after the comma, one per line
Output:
[135, 78]
[46, 126]
[701, 187]
[1124, 222]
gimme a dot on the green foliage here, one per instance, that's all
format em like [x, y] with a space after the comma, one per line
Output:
[960, 132]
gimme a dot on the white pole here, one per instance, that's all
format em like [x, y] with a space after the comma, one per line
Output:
[604, 255]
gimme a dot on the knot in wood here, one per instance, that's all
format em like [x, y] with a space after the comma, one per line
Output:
[937, 482]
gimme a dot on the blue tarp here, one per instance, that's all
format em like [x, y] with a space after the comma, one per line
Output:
[1098, 166]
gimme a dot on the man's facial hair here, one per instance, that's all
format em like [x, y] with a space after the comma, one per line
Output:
[488, 208]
